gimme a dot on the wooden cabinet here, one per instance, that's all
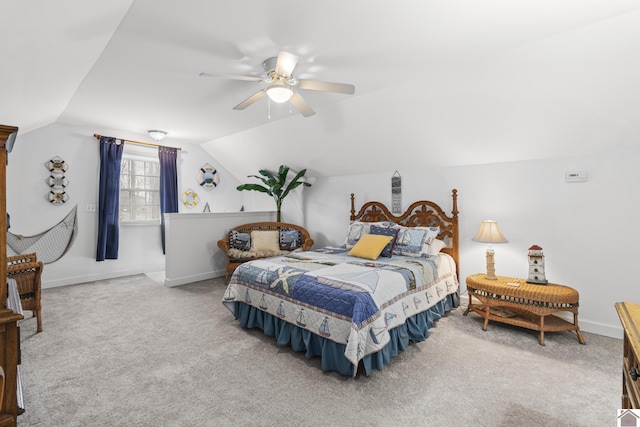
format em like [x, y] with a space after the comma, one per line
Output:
[9, 334]
[9, 358]
[629, 313]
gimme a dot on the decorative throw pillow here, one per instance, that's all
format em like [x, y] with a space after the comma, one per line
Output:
[410, 241]
[432, 233]
[239, 240]
[289, 240]
[357, 229]
[265, 240]
[370, 246]
[382, 231]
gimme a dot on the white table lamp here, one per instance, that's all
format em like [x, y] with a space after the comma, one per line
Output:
[490, 233]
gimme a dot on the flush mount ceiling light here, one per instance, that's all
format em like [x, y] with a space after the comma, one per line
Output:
[157, 134]
[279, 93]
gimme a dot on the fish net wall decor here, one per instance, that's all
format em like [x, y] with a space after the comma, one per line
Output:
[49, 245]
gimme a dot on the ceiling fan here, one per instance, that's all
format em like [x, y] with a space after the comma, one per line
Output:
[283, 86]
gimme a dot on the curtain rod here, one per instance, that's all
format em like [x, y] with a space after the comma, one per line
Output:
[148, 144]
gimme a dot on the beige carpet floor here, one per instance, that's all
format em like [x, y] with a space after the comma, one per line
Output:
[132, 352]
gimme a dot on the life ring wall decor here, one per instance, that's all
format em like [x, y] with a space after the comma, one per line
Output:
[57, 182]
[57, 165]
[190, 198]
[208, 177]
[57, 197]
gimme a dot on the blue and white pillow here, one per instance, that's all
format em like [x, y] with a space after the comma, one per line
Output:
[239, 240]
[414, 241]
[409, 241]
[359, 228]
[429, 238]
[290, 240]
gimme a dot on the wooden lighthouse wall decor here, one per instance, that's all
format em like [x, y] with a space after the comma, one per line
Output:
[536, 266]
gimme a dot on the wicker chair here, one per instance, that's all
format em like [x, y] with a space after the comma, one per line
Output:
[306, 242]
[26, 270]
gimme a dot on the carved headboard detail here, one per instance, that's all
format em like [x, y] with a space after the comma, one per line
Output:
[423, 213]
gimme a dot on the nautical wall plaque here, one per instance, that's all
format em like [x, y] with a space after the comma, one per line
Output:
[396, 193]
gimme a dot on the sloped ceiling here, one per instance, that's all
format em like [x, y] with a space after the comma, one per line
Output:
[437, 82]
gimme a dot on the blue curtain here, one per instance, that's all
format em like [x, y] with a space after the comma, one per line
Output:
[109, 198]
[168, 184]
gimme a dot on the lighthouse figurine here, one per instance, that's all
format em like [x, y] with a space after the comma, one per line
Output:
[536, 266]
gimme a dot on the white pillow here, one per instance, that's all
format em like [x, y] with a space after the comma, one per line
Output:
[265, 240]
[435, 247]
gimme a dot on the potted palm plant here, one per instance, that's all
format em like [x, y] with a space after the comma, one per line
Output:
[276, 185]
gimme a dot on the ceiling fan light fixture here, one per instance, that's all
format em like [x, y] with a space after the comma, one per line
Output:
[157, 134]
[279, 93]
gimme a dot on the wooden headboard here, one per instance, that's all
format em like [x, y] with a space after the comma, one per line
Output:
[422, 213]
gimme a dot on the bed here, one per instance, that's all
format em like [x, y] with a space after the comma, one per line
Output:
[355, 309]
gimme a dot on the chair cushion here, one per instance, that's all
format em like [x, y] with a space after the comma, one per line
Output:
[238, 240]
[245, 255]
[265, 240]
[290, 240]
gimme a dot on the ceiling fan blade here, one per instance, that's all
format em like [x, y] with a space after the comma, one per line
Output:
[298, 101]
[250, 100]
[285, 63]
[230, 77]
[327, 86]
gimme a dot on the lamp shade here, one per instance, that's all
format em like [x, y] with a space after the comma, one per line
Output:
[279, 93]
[489, 232]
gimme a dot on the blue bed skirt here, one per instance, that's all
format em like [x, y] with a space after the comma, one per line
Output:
[415, 329]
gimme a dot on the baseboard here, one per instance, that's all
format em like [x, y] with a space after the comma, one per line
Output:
[75, 280]
[177, 281]
[612, 331]
[586, 325]
[115, 274]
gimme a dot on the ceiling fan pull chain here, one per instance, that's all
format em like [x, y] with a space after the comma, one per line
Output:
[268, 108]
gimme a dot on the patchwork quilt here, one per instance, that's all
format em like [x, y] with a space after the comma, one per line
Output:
[348, 300]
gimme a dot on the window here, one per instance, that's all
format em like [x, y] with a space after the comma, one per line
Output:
[139, 189]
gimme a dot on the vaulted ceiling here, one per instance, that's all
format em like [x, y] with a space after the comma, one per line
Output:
[446, 81]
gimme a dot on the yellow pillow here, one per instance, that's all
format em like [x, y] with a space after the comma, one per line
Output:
[370, 246]
[265, 240]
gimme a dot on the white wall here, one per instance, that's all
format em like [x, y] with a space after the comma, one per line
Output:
[192, 243]
[140, 249]
[588, 230]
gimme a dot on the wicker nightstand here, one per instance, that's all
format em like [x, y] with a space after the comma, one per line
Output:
[516, 302]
